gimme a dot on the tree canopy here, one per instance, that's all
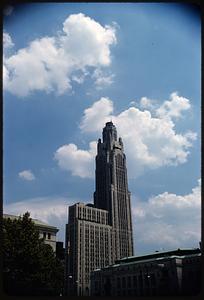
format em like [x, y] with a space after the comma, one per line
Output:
[30, 267]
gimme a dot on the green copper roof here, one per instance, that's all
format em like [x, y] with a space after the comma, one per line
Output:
[161, 254]
[149, 258]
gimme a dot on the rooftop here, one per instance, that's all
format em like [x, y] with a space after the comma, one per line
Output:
[36, 221]
[89, 205]
[110, 123]
[160, 254]
[157, 256]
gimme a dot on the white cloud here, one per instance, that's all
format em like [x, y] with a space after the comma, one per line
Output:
[51, 210]
[101, 79]
[168, 221]
[7, 41]
[132, 103]
[79, 77]
[95, 116]
[26, 175]
[49, 63]
[79, 162]
[147, 103]
[5, 76]
[165, 221]
[7, 46]
[172, 108]
[150, 141]
[87, 42]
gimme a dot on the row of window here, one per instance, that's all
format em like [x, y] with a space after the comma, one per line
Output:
[93, 215]
[47, 234]
[134, 281]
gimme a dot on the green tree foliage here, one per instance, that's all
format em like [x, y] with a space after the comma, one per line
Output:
[30, 266]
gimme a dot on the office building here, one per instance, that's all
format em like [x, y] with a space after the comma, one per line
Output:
[112, 192]
[46, 231]
[88, 247]
[168, 273]
[100, 233]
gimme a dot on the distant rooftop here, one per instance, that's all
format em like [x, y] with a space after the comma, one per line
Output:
[178, 253]
[160, 254]
[36, 221]
[90, 205]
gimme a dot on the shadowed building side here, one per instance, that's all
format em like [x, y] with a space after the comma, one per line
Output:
[112, 189]
[171, 273]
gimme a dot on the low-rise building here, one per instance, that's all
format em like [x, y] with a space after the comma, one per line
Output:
[46, 231]
[175, 272]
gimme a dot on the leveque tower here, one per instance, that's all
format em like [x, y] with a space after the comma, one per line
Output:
[100, 233]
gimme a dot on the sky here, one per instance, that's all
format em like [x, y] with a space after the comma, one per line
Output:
[68, 68]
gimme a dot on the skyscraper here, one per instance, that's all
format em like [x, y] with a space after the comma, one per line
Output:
[112, 190]
[99, 234]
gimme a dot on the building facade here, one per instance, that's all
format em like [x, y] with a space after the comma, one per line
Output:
[100, 233]
[89, 246]
[46, 231]
[112, 191]
[160, 274]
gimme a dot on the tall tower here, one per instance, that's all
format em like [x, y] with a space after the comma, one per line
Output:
[112, 190]
[97, 235]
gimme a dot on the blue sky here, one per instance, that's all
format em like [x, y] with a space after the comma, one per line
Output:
[69, 68]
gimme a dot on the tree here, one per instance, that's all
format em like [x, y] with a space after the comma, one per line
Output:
[30, 266]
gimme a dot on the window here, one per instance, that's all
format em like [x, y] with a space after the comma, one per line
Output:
[49, 235]
[129, 281]
[153, 279]
[44, 235]
[123, 282]
[118, 282]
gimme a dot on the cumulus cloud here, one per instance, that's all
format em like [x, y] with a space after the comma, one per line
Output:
[147, 103]
[7, 41]
[168, 221]
[172, 108]
[7, 46]
[48, 63]
[5, 76]
[26, 175]
[78, 162]
[165, 221]
[101, 79]
[95, 116]
[132, 103]
[150, 141]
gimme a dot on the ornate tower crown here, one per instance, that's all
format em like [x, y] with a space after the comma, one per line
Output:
[109, 135]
